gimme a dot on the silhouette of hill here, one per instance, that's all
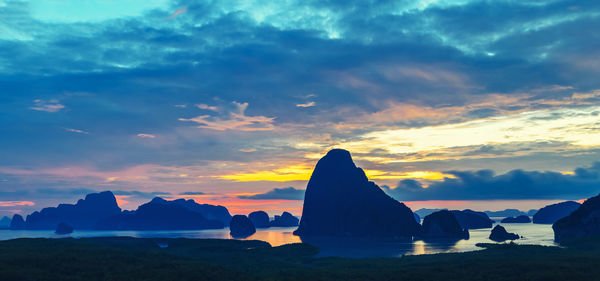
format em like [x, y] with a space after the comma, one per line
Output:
[241, 227]
[551, 213]
[260, 219]
[341, 201]
[5, 222]
[17, 222]
[285, 220]
[443, 224]
[505, 213]
[159, 214]
[519, 219]
[583, 222]
[82, 215]
[469, 219]
[210, 212]
[423, 212]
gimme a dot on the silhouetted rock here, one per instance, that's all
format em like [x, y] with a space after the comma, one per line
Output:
[583, 222]
[519, 219]
[551, 213]
[260, 219]
[285, 220]
[210, 212]
[500, 234]
[5, 222]
[83, 215]
[443, 224]
[504, 213]
[341, 201]
[417, 218]
[469, 219]
[159, 214]
[17, 222]
[423, 212]
[63, 228]
[241, 227]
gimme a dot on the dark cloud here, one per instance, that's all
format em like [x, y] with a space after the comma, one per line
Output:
[192, 193]
[516, 184]
[286, 193]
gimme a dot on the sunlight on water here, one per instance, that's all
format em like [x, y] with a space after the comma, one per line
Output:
[536, 234]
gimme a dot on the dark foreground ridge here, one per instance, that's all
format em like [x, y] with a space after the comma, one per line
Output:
[120, 258]
[341, 201]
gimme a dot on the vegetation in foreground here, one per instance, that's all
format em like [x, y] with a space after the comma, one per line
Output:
[210, 259]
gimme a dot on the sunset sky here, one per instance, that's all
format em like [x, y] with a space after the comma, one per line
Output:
[458, 104]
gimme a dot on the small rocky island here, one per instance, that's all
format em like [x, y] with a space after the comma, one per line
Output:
[241, 227]
[443, 225]
[499, 234]
[518, 219]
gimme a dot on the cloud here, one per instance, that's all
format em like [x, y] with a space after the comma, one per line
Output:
[16, 203]
[308, 104]
[178, 12]
[248, 150]
[207, 107]
[77, 131]
[237, 120]
[286, 193]
[192, 193]
[140, 194]
[147, 136]
[513, 185]
[47, 106]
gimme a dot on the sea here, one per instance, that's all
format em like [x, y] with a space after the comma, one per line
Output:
[533, 234]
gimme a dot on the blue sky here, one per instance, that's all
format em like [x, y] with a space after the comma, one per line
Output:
[223, 101]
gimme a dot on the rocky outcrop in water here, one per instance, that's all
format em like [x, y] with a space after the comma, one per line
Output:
[159, 214]
[469, 219]
[5, 222]
[209, 212]
[285, 220]
[260, 219]
[341, 201]
[519, 219]
[17, 222]
[241, 227]
[499, 234]
[552, 213]
[582, 223]
[442, 225]
[82, 215]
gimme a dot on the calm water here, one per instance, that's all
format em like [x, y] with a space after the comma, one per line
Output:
[537, 234]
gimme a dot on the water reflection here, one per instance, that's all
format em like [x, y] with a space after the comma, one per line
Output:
[536, 234]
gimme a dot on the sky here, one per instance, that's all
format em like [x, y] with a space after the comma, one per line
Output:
[458, 104]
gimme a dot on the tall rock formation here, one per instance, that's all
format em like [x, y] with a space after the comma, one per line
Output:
[551, 213]
[341, 201]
